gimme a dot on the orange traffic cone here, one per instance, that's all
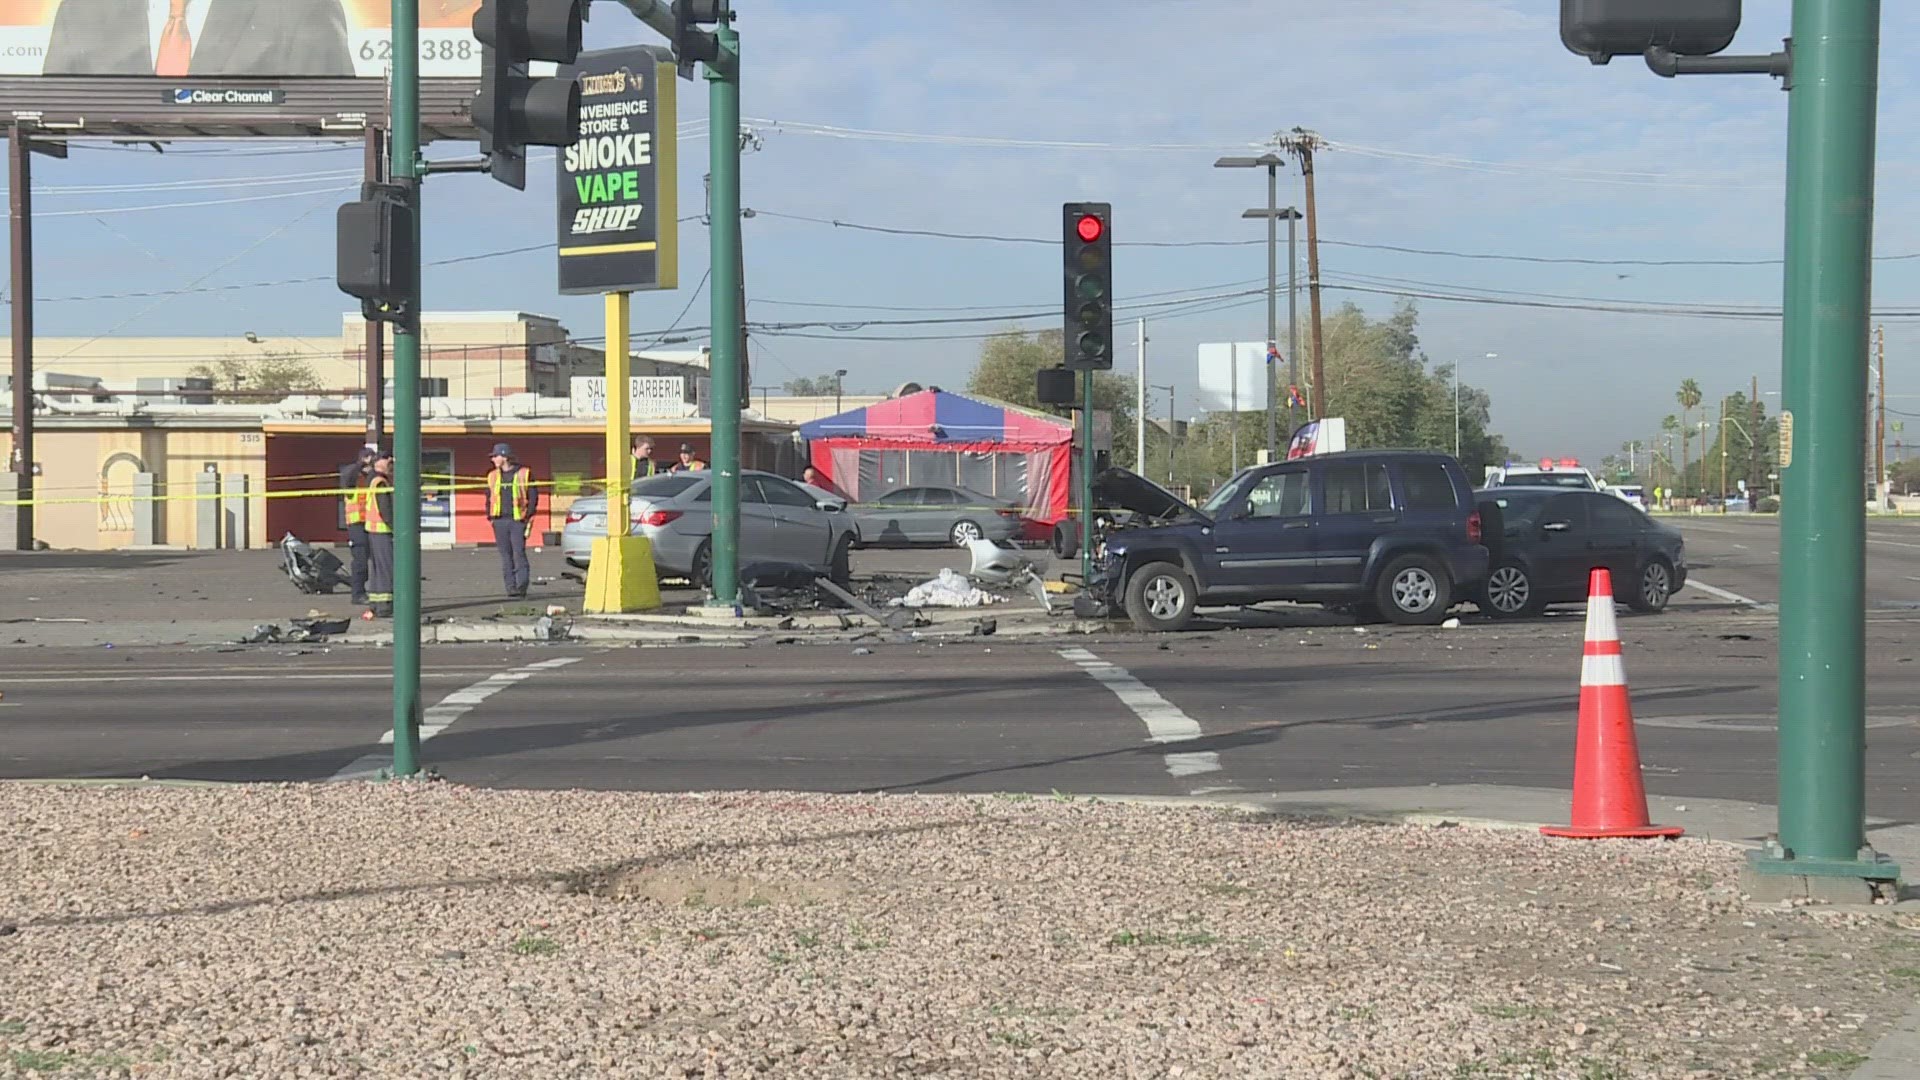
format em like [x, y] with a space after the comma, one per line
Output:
[1608, 797]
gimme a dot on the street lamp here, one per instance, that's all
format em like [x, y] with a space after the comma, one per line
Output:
[1273, 213]
[1172, 426]
[1456, 402]
[839, 383]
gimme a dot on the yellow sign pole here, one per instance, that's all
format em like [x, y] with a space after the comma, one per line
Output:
[621, 576]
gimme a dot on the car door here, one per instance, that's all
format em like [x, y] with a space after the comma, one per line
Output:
[1559, 544]
[1356, 507]
[1614, 537]
[759, 535]
[885, 520]
[803, 528]
[933, 520]
[1265, 543]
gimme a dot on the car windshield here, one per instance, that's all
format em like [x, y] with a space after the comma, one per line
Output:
[1520, 508]
[1564, 480]
[665, 486]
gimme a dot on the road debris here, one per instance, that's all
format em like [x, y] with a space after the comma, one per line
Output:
[948, 589]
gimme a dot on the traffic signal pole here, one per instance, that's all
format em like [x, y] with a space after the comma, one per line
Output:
[723, 142]
[1822, 663]
[1086, 478]
[404, 167]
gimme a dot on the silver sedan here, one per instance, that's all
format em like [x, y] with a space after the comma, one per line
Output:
[780, 521]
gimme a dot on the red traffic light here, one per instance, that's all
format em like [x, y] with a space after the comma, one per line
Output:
[1089, 228]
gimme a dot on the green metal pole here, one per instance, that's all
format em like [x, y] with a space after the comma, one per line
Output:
[1822, 669]
[1086, 476]
[723, 144]
[405, 169]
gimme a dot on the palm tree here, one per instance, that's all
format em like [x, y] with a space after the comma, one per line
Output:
[1689, 398]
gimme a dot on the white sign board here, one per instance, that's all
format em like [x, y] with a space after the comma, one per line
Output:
[1233, 376]
[649, 397]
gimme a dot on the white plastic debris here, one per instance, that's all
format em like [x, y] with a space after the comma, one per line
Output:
[1450, 624]
[948, 589]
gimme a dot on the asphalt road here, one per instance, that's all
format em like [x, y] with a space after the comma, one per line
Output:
[1274, 701]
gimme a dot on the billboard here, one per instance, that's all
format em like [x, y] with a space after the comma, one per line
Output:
[1233, 376]
[216, 39]
[617, 188]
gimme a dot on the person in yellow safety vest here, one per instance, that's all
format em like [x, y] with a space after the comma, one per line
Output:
[687, 462]
[643, 463]
[512, 500]
[353, 483]
[376, 503]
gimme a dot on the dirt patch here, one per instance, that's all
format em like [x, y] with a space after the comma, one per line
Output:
[681, 887]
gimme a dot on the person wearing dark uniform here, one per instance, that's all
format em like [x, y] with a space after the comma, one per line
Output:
[378, 509]
[643, 463]
[511, 502]
[353, 482]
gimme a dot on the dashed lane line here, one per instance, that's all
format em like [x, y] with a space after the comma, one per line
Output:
[1165, 722]
[1729, 597]
[442, 714]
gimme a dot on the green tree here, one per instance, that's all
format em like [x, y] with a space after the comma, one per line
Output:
[1689, 398]
[811, 386]
[258, 378]
[1008, 371]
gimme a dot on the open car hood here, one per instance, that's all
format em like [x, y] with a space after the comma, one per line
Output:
[1129, 490]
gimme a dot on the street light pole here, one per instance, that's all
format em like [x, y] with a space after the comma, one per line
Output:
[1171, 422]
[839, 384]
[1273, 213]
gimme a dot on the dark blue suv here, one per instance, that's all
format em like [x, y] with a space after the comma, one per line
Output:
[1392, 533]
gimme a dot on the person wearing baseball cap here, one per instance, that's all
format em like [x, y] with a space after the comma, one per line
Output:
[512, 500]
[688, 462]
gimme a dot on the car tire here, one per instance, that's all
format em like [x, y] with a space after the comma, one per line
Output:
[701, 573]
[1160, 598]
[1066, 542]
[1509, 593]
[1414, 591]
[840, 567]
[1652, 587]
[964, 530]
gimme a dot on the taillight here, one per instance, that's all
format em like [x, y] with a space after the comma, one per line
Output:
[656, 518]
[1473, 527]
[575, 517]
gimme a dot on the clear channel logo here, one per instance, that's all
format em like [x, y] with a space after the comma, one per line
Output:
[227, 96]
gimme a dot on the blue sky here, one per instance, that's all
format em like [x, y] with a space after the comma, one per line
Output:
[1459, 125]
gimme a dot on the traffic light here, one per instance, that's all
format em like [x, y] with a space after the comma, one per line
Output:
[376, 259]
[514, 110]
[1087, 251]
[1603, 29]
[690, 43]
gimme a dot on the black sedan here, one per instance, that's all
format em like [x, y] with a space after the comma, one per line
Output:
[1548, 539]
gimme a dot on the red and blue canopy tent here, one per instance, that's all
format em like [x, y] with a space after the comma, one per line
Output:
[943, 438]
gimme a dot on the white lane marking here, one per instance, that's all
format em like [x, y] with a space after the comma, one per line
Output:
[441, 715]
[1742, 547]
[291, 677]
[1729, 597]
[1165, 722]
[1892, 543]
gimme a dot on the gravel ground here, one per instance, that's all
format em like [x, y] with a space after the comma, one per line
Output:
[434, 930]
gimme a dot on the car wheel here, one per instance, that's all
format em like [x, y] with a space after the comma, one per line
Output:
[963, 531]
[702, 572]
[1160, 598]
[1414, 590]
[1509, 593]
[1654, 589]
[1066, 542]
[840, 568]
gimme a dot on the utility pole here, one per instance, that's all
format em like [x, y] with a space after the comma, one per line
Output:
[1303, 144]
[20, 218]
[1822, 666]
[376, 358]
[1140, 407]
[404, 168]
[1753, 444]
[1293, 320]
[723, 144]
[1880, 418]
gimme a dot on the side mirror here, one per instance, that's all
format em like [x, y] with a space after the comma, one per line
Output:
[1241, 512]
[1555, 526]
